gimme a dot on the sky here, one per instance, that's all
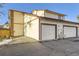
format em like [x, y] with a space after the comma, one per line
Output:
[69, 9]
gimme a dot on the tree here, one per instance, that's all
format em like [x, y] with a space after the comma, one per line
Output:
[78, 17]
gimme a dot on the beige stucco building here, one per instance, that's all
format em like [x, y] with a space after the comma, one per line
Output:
[42, 25]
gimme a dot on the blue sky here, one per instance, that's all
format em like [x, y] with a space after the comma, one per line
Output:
[70, 9]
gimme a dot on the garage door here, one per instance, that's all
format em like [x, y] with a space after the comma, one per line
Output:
[78, 31]
[69, 32]
[48, 32]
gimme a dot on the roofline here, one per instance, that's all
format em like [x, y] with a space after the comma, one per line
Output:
[23, 12]
[45, 17]
[36, 15]
[54, 12]
[16, 10]
[60, 20]
[49, 11]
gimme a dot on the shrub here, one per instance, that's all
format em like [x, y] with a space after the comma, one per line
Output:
[4, 34]
[1, 38]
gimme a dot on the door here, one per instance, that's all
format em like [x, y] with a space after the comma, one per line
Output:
[69, 32]
[48, 32]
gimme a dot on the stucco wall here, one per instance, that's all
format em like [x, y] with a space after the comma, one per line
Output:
[51, 15]
[31, 26]
[18, 17]
[18, 23]
[59, 26]
[46, 14]
[39, 13]
[18, 30]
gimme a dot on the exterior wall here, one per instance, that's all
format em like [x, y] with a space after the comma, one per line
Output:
[51, 15]
[18, 30]
[46, 14]
[31, 26]
[59, 26]
[39, 13]
[18, 17]
[16, 23]
[59, 30]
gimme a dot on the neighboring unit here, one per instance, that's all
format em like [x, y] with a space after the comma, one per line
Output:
[42, 25]
[6, 25]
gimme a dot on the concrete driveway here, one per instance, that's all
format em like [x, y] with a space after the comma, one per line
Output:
[66, 47]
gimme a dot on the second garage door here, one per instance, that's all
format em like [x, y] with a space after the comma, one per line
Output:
[69, 31]
[48, 32]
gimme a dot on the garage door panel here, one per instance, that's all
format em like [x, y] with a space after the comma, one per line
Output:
[69, 32]
[48, 32]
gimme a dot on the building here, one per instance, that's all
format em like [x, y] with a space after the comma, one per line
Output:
[4, 31]
[1, 26]
[6, 25]
[42, 25]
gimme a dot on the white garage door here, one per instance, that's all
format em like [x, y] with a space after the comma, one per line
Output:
[78, 32]
[69, 32]
[48, 32]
